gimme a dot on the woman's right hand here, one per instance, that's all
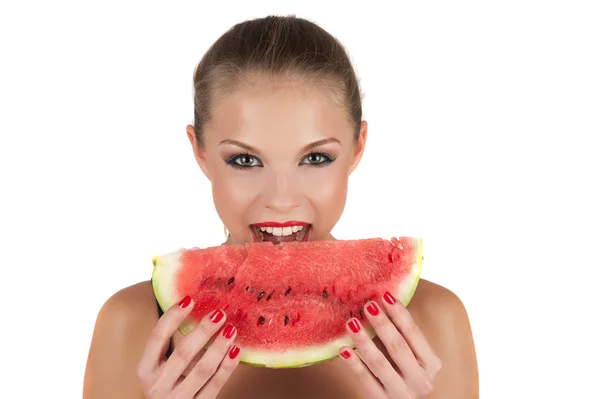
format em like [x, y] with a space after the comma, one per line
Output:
[163, 378]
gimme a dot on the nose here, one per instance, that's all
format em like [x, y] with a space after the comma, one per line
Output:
[282, 193]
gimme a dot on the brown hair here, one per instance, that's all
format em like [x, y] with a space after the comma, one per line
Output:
[277, 47]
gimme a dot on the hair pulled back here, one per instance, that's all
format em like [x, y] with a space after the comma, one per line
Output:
[284, 47]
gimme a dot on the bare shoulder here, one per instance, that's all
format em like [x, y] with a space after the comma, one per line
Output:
[443, 319]
[429, 298]
[130, 312]
[135, 301]
[122, 328]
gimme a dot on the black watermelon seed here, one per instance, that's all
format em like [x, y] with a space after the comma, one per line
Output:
[361, 313]
[351, 315]
[288, 291]
[269, 297]
[368, 300]
[261, 320]
[287, 320]
[247, 288]
[325, 294]
[262, 293]
[230, 280]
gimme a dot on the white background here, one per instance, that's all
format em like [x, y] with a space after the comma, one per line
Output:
[484, 124]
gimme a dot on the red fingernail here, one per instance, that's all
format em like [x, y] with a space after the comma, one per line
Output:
[217, 316]
[354, 326]
[373, 309]
[228, 331]
[389, 298]
[345, 354]
[185, 302]
[233, 352]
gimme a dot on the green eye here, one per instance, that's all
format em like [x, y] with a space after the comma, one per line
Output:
[316, 159]
[244, 161]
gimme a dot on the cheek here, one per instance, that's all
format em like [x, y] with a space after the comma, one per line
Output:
[233, 193]
[326, 189]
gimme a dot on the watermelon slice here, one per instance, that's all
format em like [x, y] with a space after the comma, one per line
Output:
[289, 301]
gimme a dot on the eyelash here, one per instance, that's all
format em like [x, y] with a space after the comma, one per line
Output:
[232, 160]
[327, 159]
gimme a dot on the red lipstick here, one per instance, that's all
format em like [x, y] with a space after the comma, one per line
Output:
[285, 224]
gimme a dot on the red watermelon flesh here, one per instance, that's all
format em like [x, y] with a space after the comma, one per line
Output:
[289, 301]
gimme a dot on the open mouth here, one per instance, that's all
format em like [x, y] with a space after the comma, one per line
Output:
[277, 232]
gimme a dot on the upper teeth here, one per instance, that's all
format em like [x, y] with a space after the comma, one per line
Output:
[282, 231]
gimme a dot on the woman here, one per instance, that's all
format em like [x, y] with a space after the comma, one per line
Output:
[277, 130]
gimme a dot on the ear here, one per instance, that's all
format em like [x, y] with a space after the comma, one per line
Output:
[199, 152]
[359, 146]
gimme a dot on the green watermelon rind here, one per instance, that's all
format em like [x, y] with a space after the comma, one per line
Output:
[164, 277]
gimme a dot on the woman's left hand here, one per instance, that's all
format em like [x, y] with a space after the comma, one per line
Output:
[412, 366]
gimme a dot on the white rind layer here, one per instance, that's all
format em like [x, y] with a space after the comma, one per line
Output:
[163, 281]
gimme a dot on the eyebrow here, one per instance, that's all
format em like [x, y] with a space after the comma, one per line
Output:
[320, 143]
[304, 149]
[239, 144]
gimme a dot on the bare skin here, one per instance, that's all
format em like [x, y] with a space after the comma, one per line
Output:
[296, 150]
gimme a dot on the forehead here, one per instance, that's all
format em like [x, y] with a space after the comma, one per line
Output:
[278, 114]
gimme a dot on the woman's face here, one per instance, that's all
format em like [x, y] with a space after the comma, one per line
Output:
[278, 157]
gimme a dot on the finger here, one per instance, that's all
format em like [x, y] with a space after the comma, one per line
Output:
[189, 347]
[375, 360]
[218, 380]
[161, 334]
[370, 384]
[412, 334]
[208, 364]
[397, 348]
